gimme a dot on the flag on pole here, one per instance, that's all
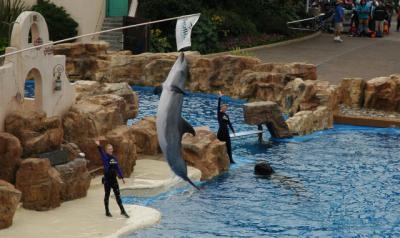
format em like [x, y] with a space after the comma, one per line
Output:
[183, 31]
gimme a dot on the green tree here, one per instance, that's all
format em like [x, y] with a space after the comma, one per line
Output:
[60, 23]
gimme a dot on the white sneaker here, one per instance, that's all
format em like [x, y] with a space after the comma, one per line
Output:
[339, 39]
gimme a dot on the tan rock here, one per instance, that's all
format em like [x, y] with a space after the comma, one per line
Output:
[205, 152]
[72, 149]
[76, 179]
[9, 200]
[269, 113]
[36, 132]
[40, 184]
[227, 69]
[10, 154]
[351, 92]
[146, 136]
[383, 93]
[94, 116]
[91, 88]
[300, 70]
[301, 123]
[123, 140]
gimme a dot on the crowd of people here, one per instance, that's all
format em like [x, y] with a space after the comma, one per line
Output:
[372, 18]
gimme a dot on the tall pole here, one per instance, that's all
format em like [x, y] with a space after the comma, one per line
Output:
[307, 6]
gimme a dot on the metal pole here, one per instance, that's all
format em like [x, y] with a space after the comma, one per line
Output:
[97, 33]
[307, 6]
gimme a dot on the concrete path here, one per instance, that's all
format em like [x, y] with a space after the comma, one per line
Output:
[355, 57]
[84, 218]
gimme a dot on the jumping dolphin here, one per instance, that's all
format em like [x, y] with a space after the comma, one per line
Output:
[170, 124]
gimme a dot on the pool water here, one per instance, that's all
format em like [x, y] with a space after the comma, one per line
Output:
[343, 182]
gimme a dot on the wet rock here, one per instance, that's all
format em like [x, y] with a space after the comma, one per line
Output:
[145, 132]
[205, 152]
[9, 200]
[40, 184]
[76, 179]
[10, 154]
[36, 132]
[269, 113]
[306, 122]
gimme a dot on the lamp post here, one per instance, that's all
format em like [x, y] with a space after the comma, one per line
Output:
[58, 69]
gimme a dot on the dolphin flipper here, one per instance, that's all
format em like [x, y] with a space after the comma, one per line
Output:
[177, 89]
[185, 127]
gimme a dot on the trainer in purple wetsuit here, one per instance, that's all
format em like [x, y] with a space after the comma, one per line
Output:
[111, 171]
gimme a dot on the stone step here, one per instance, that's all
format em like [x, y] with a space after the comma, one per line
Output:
[111, 25]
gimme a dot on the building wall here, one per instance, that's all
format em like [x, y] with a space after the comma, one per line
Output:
[88, 13]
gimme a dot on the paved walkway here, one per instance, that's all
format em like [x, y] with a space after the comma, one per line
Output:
[355, 57]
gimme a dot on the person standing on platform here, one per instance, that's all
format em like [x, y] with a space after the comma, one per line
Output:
[224, 122]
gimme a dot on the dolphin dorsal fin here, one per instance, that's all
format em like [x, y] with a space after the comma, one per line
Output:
[185, 127]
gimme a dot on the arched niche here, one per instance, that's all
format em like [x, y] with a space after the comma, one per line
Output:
[35, 102]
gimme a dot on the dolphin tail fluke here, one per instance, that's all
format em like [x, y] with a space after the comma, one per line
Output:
[191, 183]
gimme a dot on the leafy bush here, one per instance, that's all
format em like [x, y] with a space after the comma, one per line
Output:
[9, 11]
[159, 43]
[60, 23]
[3, 45]
[204, 36]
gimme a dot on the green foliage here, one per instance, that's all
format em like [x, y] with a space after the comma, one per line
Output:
[159, 43]
[226, 24]
[3, 44]
[204, 35]
[60, 23]
[239, 52]
[9, 11]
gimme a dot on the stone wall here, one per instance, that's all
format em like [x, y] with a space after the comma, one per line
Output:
[381, 93]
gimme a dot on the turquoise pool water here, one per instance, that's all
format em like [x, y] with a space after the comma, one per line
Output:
[343, 182]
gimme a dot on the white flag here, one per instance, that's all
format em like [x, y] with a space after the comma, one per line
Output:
[183, 31]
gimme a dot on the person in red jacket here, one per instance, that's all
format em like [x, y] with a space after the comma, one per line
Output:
[111, 171]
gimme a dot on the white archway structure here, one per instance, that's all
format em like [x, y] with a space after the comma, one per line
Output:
[40, 64]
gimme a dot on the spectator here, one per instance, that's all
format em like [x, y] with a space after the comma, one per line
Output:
[398, 18]
[363, 10]
[339, 18]
[379, 17]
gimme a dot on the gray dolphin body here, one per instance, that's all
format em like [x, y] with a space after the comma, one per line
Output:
[170, 124]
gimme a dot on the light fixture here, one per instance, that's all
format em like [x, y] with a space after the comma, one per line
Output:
[57, 70]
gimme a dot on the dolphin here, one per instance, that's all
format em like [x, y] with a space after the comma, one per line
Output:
[170, 124]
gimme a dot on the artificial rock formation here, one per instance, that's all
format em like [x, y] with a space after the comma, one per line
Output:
[103, 109]
[268, 113]
[91, 88]
[40, 184]
[383, 93]
[123, 140]
[205, 152]
[351, 92]
[146, 136]
[76, 179]
[306, 122]
[9, 199]
[36, 132]
[10, 154]
[293, 86]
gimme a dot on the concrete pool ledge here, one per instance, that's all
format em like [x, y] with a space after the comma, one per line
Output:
[85, 217]
[366, 121]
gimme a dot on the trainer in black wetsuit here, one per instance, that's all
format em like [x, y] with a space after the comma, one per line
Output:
[111, 171]
[223, 131]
